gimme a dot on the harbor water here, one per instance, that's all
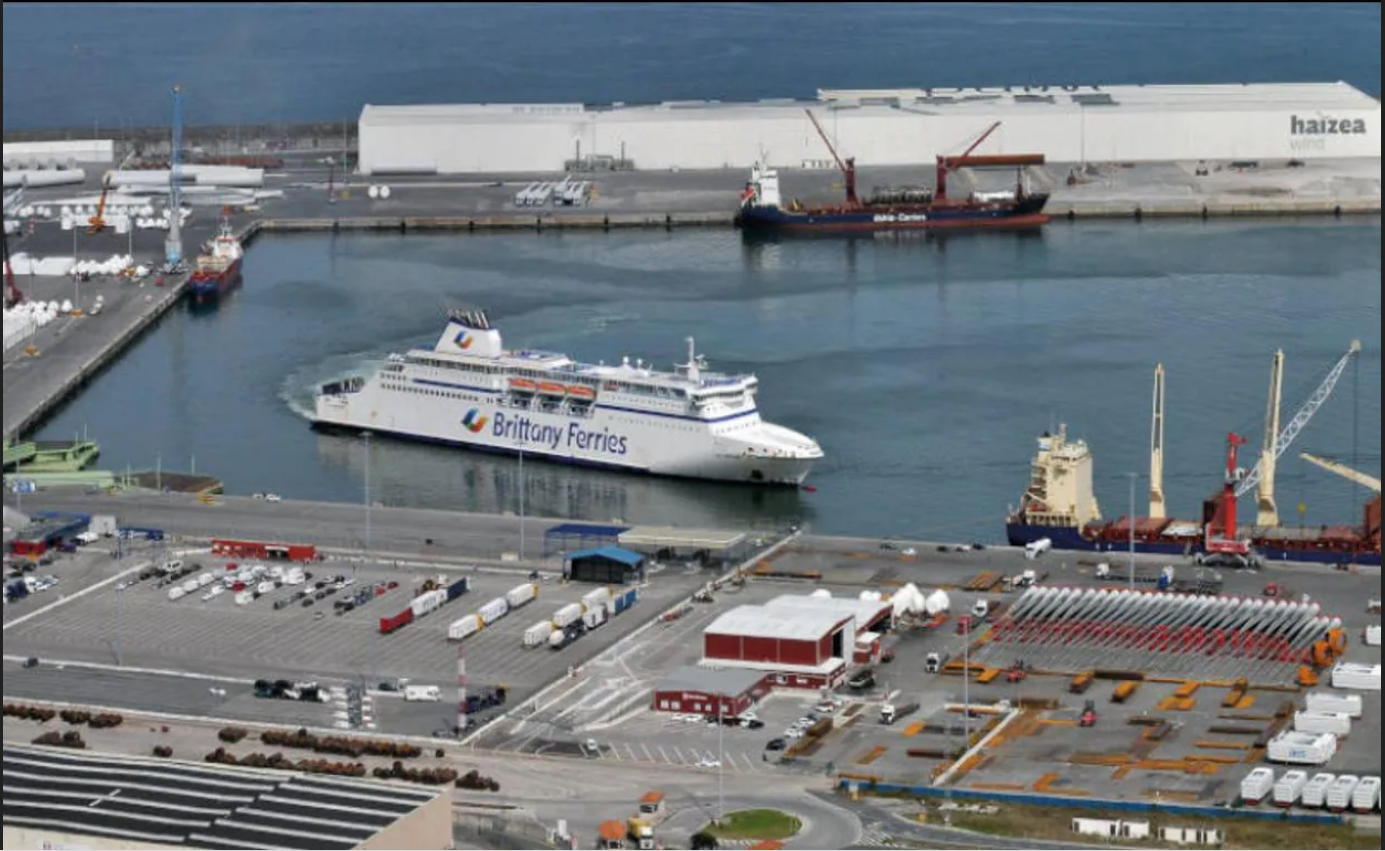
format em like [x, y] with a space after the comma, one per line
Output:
[925, 366]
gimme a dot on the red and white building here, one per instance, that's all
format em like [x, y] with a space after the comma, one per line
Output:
[800, 648]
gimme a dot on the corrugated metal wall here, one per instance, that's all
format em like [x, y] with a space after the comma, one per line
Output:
[732, 137]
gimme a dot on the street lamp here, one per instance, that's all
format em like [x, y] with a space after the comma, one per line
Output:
[521, 501]
[721, 758]
[365, 435]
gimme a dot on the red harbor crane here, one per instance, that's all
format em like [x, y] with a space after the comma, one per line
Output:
[848, 168]
[947, 165]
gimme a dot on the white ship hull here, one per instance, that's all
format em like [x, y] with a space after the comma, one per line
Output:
[616, 417]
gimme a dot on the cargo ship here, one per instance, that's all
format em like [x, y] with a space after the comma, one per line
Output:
[218, 268]
[1060, 506]
[910, 208]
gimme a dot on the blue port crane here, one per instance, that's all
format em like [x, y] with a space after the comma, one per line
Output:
[173, 245]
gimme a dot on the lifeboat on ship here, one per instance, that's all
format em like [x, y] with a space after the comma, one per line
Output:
[552, 388]
[522, 385]
[581, 391]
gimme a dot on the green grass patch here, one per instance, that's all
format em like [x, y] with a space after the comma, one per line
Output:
[756, 825]
[1055, 825]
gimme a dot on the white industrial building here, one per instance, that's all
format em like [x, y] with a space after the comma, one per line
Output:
[58, 154]
[1071, 124]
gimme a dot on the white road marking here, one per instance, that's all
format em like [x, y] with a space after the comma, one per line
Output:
[663, 754]
[79, 595]
[647, 754]
[97, 666]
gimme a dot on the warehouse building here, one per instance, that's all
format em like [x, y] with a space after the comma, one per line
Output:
[710, 546]
[797, 648]
[564, 536]
[896, 127]
[866, 615]
[694, 690]
[604, 566]
[83, 800]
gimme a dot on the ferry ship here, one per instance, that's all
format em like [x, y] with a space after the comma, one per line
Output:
[218, 269]
[469, 391]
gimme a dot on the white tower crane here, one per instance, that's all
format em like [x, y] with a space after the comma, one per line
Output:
[1267, 512]
[1286, 437]
[1156, 448]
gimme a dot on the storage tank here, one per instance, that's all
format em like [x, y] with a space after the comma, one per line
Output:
[522, 594]
[464, 628]
[1315, 791]
[567, 616]
[494, 611]
[538, 635]
[1289, 789]
[1341, 792]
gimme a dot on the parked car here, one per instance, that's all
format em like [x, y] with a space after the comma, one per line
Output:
[776, 745]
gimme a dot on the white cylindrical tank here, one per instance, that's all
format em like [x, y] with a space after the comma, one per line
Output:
[373, 192]
[384, 192]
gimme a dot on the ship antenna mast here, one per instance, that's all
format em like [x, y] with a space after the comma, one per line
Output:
[848, 168]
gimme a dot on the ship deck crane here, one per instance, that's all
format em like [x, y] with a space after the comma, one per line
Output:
[1368, 482]
[967, 160]
[847, 168]
[1277, 444]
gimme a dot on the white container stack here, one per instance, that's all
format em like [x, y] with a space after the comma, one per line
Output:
[464, 628]
[1257, 786]
[1348, 675]
[596, 599]
[1289, 790]
[1315, 793]
[1340, 794]
[1336, 723]
[426, 604]
[1295, 748]
[538, 635]
[1366, 799]
[1346, 704]
[520, 595]
[494, 611]
[567, 616]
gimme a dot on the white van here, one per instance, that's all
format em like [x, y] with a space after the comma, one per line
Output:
[1034, 549]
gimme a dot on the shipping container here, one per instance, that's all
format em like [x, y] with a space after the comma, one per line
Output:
[1372, 636]
[1341, 793]
[426, 604]
[1257, 785]
[389, 625]
[1336, 723]
[457, 589]
[422, 694]
[567, 616]
[1295, 748]
[538, 634]
[1315, 792]
[494, 611]
[1366, 799]
[1346, 704]
[464, 628]
[596, 599]
[1289, 790]
[1348, 675]
[522, 594]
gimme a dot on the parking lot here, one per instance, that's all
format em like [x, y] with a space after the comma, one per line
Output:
[139, 628]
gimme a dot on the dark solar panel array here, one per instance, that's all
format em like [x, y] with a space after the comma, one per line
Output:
[171, 804]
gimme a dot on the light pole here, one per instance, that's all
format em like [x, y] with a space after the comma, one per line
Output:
[721, 757]
[365, 436]
[119, 623]
[521, 502]
[1133, 478]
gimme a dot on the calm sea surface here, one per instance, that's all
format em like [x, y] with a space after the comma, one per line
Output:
[925, 367]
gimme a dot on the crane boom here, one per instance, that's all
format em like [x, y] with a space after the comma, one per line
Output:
[1365, 481]
[1305, 413]
[848, 168]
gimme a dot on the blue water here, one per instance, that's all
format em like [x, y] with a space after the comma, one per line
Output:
[110, 65]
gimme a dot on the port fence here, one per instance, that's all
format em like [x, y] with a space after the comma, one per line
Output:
[500, 830]
[1124, 807]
